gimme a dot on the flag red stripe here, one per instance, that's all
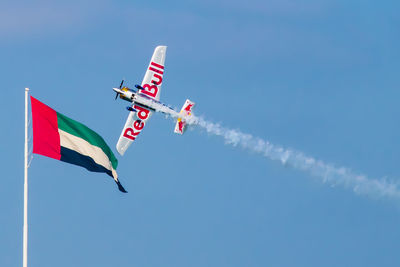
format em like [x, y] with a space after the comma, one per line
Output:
[46, 139]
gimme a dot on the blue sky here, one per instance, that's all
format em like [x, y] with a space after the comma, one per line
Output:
[320, 77]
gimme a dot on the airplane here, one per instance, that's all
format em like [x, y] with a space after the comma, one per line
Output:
[145, 100]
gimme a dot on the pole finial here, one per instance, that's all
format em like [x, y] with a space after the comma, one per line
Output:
[26, 89]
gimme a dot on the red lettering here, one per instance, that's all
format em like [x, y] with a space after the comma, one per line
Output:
[130, 134]
[142, 113]
[157, 65]
[138, 125]
[156, 70]
[159, 77]
[150, 90]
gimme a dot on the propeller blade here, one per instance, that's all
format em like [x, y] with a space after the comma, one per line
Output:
[122, 82]
[116, 96]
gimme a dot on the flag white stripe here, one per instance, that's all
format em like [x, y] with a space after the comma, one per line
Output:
[83, 147]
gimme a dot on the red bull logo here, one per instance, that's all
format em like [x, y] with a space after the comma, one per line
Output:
[156, 80]
[181, 124]
[150, 90]
[189, 108]
[142, 114]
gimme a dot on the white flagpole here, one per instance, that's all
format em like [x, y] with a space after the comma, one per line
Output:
[25, 239]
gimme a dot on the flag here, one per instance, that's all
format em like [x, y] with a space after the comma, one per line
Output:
[61, 138]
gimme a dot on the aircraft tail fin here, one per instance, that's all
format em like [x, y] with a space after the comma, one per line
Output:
[186, 111]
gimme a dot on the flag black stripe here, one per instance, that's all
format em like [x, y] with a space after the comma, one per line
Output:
[73, 157]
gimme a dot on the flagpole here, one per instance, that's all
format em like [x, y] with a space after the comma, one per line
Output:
[25, 238]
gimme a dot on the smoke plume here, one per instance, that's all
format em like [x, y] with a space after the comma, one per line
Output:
[327, 173]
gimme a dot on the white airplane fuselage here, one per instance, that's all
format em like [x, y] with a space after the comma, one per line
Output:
[143, 100]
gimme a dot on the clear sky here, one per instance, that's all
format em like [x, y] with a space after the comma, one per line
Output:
[320, 77]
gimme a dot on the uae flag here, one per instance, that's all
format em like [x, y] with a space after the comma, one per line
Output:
[59, 137]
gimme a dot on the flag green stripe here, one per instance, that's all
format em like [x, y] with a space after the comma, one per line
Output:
[79, 130]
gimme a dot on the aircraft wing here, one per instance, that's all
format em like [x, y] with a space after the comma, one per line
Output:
[153, 78]
[133, 126]
[151, 84]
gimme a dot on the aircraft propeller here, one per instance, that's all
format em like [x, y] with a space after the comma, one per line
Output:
[120, 87]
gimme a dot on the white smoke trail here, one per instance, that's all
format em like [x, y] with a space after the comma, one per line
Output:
[327, 173]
